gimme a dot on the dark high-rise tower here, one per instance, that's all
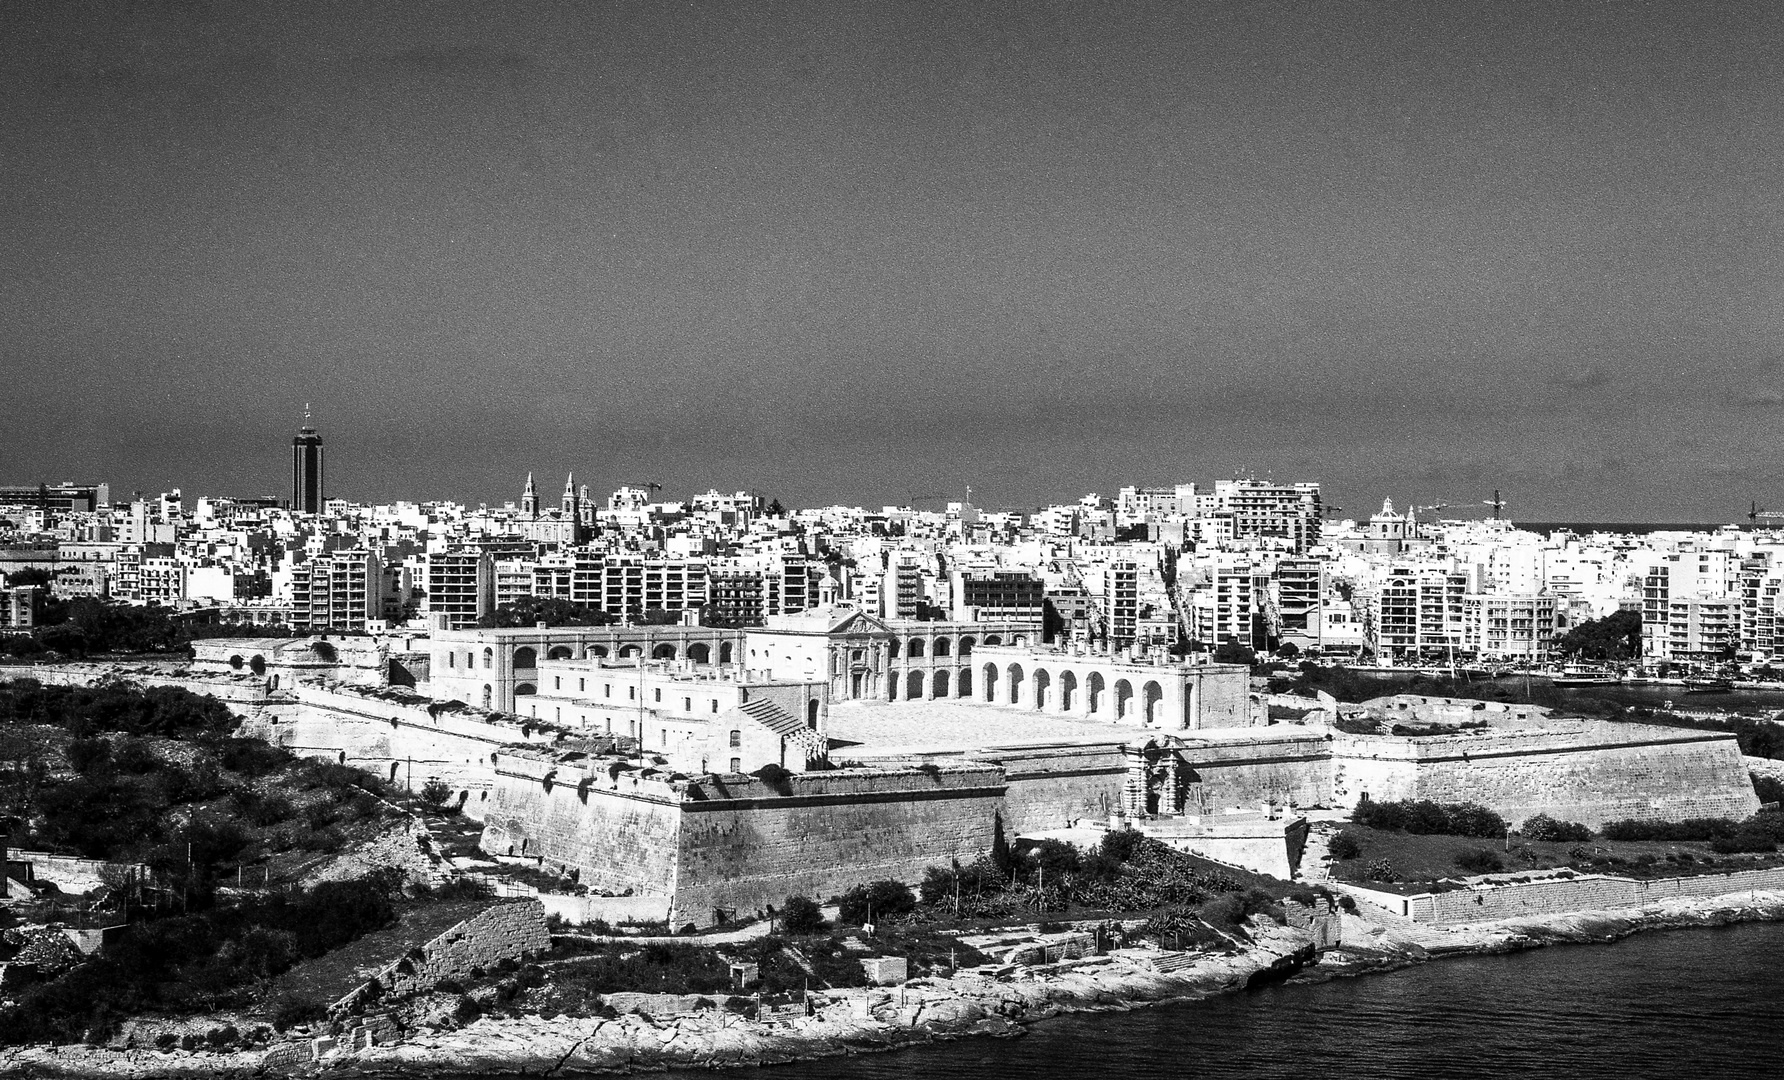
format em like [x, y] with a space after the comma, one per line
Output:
[306, 469]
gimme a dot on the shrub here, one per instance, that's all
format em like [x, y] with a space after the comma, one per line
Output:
[1056, 858]
[800, 915]
[876, 901]
[1690, 829]
[436, 795]
[1479, 861]
[1743, 841]
[1119, 845]
[1768, 788]
[1424, 817]
[1381, 870]
[1544, 827]
[289, 1009]
[1345, 846]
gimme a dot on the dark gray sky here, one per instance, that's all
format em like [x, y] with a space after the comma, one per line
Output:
[859, 251]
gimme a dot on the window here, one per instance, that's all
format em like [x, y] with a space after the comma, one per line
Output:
[607, 690]
[657, 694]
[581, 685]
[715, 705]
[736, 764]
[687, 704]
[631, 693]
[557, 683]
[736, 738]
[451, 660]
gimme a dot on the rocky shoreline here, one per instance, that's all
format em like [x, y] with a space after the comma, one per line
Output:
[923, 1011]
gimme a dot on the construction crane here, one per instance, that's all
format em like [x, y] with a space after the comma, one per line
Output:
[911, 500]
[1497, 504]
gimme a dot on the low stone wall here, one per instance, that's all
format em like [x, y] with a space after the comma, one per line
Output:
[582, 910]
[509, 930]
[1493, 900]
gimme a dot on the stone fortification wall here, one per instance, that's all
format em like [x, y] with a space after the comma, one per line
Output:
[752, 844]
[740, 843]
[620, 830]
[1285, 766]
[507, 930]
[1226, 701]
[1058, 787]
[1590, 892]
[398, 740]
[1577, 771]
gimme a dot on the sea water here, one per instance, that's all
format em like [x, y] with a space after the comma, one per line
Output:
[1701, 1003]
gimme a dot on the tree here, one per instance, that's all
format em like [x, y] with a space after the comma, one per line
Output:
[800, 915]
[1233, 652]
[1617, 636]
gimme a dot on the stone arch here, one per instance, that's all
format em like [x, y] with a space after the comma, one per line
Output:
[393, 768]
[1124, 697]
[993, 639]
[1019, 640]
[626, 652]
[724, 652]
[892, 678]
[526, 657]
[596, 651]
[274, 684]
[488, 695]
[990, 682]
[1043, 684]
[966, 645]
[939, 685]
[700, 653]
[915, 649]
[963, 686]
[913, 686]
[893, 653]
[943, 647]
[665, 651]
[1152, 694]
[1068, 691]
[257, 664]
[489, 657]
[1015, 672]
[811, 714]
[1093, 692]
[525, 688]
[560, 652]
[236, 661]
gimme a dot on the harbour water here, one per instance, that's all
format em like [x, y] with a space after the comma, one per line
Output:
[1703, 1002]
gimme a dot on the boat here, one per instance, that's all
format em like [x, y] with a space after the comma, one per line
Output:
[1583, 676]
[1709, 686]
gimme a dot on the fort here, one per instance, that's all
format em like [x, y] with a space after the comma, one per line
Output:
[643, 763]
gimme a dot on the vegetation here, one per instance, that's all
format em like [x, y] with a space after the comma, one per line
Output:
[1345, 845]
[215, 959]
[1480, 861]
[1617, 636]
[1544, 827]
[1424, 817]
[532, 610]
[156, 776]
[878, 900]
[800, 915]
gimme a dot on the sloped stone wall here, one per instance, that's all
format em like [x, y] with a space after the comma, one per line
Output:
[1587, 772]
[508, 930]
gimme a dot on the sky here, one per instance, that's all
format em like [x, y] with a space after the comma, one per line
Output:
[870, 252]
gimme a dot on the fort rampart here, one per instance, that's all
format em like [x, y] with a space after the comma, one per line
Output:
[1584, 771]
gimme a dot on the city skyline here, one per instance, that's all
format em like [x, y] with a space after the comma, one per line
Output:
[1419, 250]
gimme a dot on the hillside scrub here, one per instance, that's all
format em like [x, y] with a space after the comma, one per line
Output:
[200, 962]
